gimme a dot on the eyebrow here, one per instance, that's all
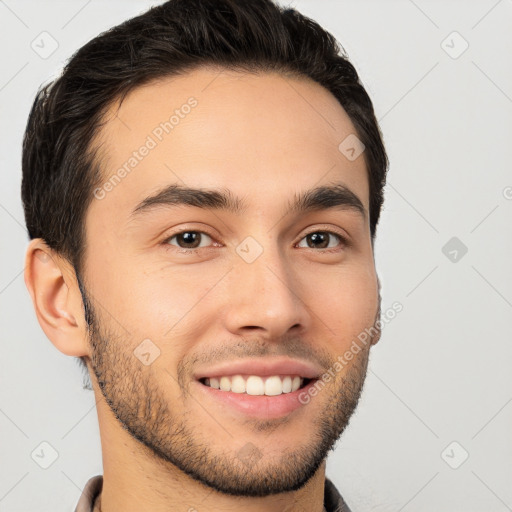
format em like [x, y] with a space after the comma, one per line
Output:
[335, 196]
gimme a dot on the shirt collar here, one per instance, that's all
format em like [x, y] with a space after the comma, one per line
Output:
[333, 502]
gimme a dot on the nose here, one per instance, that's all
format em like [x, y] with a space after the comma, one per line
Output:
[266, 296]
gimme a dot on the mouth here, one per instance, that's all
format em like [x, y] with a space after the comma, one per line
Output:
[254, 396]
[256, 385]
[264, 388]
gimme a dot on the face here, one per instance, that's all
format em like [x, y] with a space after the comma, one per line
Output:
[256, 283]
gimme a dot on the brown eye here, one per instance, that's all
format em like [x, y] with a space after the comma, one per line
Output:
[321, 240]
[189, 239]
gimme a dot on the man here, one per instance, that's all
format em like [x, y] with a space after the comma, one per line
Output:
[202, 187]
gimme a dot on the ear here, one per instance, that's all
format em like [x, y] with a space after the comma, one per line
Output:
[53, 287]
[377, 323]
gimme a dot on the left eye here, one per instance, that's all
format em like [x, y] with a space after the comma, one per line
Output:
[321, 240]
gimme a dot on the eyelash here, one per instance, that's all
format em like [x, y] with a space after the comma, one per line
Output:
[343, 241]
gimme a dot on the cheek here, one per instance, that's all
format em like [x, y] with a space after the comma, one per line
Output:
[347, 303]
[163, 307]
[159, 303]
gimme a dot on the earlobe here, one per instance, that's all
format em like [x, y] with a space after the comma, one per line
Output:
[51, 282]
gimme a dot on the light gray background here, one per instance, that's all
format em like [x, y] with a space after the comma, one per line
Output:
[442, 370]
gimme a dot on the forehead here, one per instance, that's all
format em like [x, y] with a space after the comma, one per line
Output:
[216, 128]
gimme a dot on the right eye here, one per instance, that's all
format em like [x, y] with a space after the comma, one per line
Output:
[189, 239]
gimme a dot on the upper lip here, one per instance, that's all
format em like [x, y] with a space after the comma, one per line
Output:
[262, 367]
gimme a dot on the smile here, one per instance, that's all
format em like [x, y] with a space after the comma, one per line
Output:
[255, 385]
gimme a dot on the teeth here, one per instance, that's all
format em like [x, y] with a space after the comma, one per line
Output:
[238, 384]
[273, 386]
[287, 384]
[255, 385]
[225, 384]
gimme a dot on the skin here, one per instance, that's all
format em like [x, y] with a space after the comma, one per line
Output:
[165, 447]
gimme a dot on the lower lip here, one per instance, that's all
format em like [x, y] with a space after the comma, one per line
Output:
[262, 406]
